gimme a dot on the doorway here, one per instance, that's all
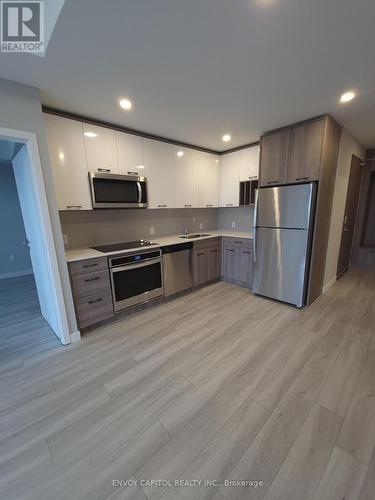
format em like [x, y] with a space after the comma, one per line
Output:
[350, 216]
[37, 240]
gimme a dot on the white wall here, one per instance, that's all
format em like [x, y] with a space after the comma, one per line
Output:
[12, 229]
[20, 107]
[348, 146]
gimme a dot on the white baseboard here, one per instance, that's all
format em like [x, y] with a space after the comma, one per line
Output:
[15, 274]
[329, 284]
[75, 336]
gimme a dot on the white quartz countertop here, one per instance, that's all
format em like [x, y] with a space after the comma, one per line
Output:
[89, 253]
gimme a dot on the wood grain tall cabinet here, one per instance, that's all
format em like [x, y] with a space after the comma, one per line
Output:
[299, 153]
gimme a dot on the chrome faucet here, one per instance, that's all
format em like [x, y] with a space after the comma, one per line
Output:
[186, 232]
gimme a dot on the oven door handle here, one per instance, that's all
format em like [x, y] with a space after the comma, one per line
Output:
[139, 192]
[135, 266]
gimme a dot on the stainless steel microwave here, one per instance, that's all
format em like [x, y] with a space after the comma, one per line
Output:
[118, 191]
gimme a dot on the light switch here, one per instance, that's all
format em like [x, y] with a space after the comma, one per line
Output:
[233, 224]
[152, 230]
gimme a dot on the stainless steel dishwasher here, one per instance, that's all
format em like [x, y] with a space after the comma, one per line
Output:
[177, 268]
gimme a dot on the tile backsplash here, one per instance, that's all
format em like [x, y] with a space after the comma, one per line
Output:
[242, 216]
[98, 227]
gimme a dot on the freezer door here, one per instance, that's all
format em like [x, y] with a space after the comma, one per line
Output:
[286, 206]
[281, 260]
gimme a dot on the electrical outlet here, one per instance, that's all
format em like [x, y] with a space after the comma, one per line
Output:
[201, 225]
[233, 224]
[152, 230]
[12, 257]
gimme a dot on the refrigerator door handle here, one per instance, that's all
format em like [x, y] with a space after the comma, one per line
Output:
[255, 226]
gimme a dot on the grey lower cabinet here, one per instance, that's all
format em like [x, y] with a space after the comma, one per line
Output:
[206, 261]
[238, 261]
[231, 263]
[246, 267]
[91, 291]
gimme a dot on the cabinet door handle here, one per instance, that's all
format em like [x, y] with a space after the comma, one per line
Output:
[229, 204]
[272, 182]
[229, 250]
[209, 205]
[104, 170]
[74, 206]
[94, 301]
[187, 206]
[214, 251]
[90, 265]
[162, 206]
[92, 279]
[239, 242]
[200, 254]
[302, 178]
[246, 252]
[132, 173]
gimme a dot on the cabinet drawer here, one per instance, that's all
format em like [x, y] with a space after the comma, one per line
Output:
[89, 283]
[243, 242]
[93, 309]
[210, 242]
[88, 266]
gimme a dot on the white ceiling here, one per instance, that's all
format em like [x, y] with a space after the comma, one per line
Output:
[195, 69]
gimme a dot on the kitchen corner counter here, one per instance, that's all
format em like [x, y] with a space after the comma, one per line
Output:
[88, 253]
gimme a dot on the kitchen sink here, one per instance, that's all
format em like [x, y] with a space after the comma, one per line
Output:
[192, 236]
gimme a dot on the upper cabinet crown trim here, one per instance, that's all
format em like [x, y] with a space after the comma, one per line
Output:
[120, 128]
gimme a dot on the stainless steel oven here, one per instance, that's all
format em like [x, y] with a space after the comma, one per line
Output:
[136, 277]
[118, 191]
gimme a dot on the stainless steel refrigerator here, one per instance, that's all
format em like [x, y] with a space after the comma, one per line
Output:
[283, 225]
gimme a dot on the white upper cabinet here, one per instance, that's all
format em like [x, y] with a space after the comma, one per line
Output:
[130, 154]
[208, 173]
[68, 160]
[101, 151]
[249, 168]
[229, 186]
[186, 174]
[159, 165]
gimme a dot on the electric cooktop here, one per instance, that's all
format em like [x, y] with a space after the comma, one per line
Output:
[126, 245]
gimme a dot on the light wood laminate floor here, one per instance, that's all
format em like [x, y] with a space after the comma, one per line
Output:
[218, 385]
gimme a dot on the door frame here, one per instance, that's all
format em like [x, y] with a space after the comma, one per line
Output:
[354, 156]
[40, 197]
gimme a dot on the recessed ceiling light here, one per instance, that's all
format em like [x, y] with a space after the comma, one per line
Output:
[348, 96]
[61, 156]
[125, 104]
[226, 137]
[140, 166]
[180, 154]
[91, 134]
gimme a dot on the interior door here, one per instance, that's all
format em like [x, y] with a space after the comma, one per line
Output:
[38, 250]
[350, 213]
